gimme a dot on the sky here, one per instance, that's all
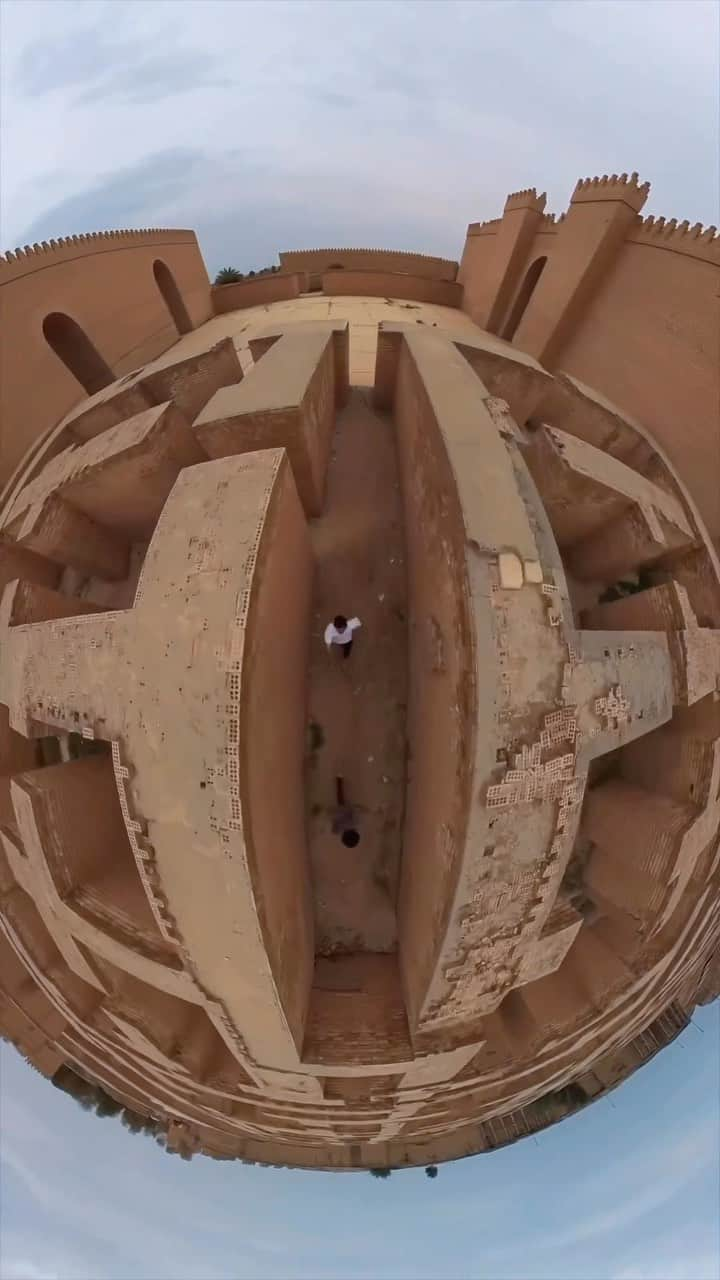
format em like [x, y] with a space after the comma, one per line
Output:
[628, 1189]
[289, 125]
[285, 125]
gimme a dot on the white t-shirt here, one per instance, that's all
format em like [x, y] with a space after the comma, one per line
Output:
[333, 636]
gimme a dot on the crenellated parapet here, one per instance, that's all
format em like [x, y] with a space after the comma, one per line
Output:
[380, 253]
[667, 233]
[551, 222]
[321, 260]
[527, 199]
[629, 190]
[32, 257]
[485, 228]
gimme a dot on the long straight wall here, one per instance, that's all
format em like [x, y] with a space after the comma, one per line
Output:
[273, 717]
[440, 656]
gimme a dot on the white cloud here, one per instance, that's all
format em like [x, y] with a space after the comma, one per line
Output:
[635, 1188]
[388, 120]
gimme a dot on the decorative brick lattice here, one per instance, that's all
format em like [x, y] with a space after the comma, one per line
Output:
[230, 660]
[531, 778]
[613, 708]
[143, 853]
[570, 799]
[560, 726]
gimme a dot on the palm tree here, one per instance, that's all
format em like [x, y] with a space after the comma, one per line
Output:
[228, 275]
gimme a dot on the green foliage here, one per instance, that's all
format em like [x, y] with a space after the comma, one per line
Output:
[231, 275]
[80, 1089]
[380, 1173]
[132, 1121]
[92, 1097]
[228, 275]
[431, 1171]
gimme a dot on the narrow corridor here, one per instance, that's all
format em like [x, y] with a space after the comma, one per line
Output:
[357, 707]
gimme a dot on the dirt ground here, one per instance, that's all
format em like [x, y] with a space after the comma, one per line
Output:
[357, 707]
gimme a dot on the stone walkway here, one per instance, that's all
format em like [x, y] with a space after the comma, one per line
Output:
[357, 708]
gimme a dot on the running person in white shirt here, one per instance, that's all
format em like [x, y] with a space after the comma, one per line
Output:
[340, 632]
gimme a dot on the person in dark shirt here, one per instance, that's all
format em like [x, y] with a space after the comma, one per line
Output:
[344, 822]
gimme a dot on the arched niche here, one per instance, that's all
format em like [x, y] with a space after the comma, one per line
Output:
[80, 357]
[172, 297]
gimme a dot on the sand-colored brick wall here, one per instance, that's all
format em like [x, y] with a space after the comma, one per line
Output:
[106, 285]
[273, 717]
[317, 261]
[439, 643]
[16, 754]
[474, 273]
[627, 305]
[392, 284]
[256, 292]
[649, 341]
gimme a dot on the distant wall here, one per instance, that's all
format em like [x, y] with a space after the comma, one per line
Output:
[273, 719]
[255, 292]
[477, 268]
[649, 341]
[392, 284]
[474, 273]
[627, 305]
[318, 261]
[544, 245]
[106, 285]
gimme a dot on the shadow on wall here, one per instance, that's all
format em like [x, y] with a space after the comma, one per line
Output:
[172, 298]
[72, 345]
[525, 293]
[82, 359]
[109, 302]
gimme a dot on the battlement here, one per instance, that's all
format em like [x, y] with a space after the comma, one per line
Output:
[696, 240]
[379, 253]
[551, 221]
[20, 261]
[629, 190]
[484, 228]
[403, 260]
[527, 199]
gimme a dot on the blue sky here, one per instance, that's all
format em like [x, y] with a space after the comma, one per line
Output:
[627, 1190]
[289, 125]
